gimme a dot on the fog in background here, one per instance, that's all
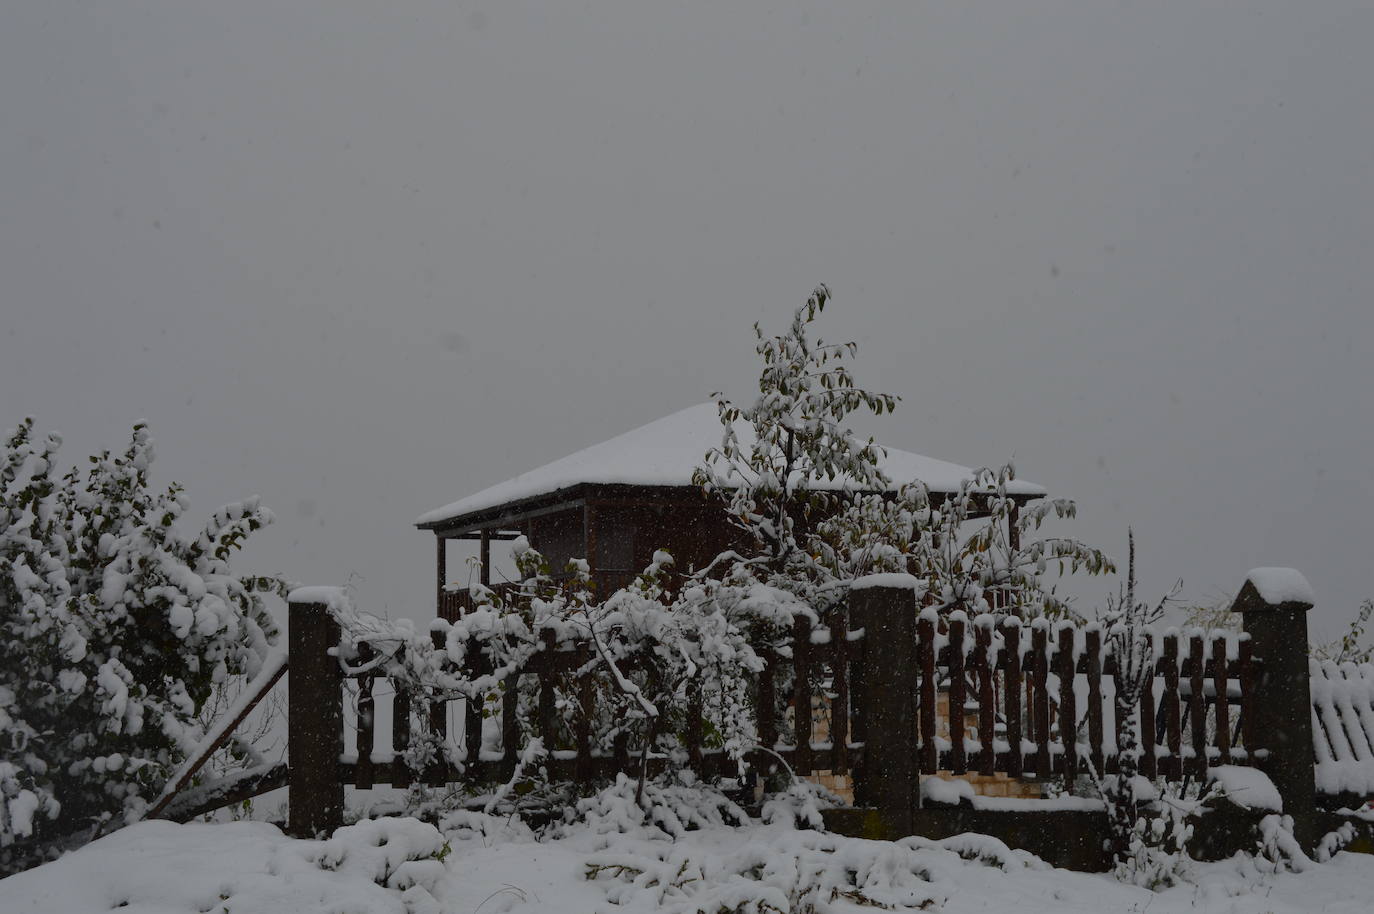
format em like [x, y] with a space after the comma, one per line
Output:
[363, 259]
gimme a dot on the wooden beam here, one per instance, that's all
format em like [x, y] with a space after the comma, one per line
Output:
[441, 565]
[486, 557]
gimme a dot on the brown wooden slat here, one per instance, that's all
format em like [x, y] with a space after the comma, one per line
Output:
[1092, 654]
[928, 754]
[1220, 675]
[958, 697]
[1068, 707]
[1040, 660]
[987, 698]
[1011, 683]
[839, 681]
[801, 694]
[1197, 707]
[400, 733]
[1173, 728]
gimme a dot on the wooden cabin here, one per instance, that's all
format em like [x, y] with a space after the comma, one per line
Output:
[616, 502]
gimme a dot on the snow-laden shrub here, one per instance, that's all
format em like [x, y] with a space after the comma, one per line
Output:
[1157, 856]
[115, 627]
[666, 809]
[1278, 847]
[779, 872]
[800, 805]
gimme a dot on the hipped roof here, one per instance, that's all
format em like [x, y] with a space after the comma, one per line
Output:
[665, 452]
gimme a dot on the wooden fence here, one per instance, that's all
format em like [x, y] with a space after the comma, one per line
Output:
[867, 686]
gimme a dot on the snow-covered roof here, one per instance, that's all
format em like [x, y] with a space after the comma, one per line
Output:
[664, 453]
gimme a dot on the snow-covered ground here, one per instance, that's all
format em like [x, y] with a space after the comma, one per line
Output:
[493, 865]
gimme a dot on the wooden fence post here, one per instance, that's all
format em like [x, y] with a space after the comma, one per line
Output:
[315, 720]
[1273, 604]
[889, 777]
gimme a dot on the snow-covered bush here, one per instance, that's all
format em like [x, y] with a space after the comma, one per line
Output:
[1156, 855]
[115, 628]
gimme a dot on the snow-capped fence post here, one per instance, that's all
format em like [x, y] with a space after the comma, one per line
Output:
[315, 715]
[889, 777]
[1273, 604]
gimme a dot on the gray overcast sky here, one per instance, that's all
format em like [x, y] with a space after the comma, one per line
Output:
[364, 258]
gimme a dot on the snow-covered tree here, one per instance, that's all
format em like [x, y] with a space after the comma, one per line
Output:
[115, 628]
[817, 510]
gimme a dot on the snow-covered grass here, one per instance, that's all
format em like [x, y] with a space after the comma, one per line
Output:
[474, 862]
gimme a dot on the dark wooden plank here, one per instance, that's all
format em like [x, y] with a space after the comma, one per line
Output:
[1220, 679]
[839, 681]
[1068, 702]
[1011, 684]
[1093, 656]
[1197, 707]
[925, 655]
[400, 733]
[801, 694]
[1173, 727]
[958, 696]
[987, 696]
[1044, 763]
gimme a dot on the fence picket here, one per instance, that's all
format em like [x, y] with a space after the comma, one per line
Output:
[1149, 738]
[1197, 710]
[801, 695]
[839, 684]
[1093, 649]
[929, 753]
[1246, 663]
[987, 696]
[400, 735]
[957, 694]
[1040, 646]
[1011, 637]
[1220, 680]
[1173, 728]
[366, 721]
[1068, 711]
[767, 702]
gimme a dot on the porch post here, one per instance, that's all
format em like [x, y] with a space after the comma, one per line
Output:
[486, 558]
[441, 564]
